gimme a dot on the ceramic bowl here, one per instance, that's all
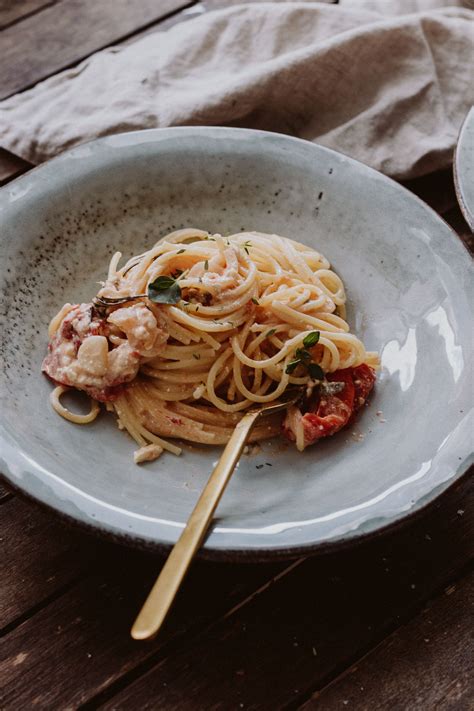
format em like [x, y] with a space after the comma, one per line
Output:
[464, 169]
[408, 279]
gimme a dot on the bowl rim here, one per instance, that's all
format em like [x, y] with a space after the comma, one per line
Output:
[238, 552]
[467, 210]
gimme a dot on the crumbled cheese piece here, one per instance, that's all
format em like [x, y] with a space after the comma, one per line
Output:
[199, 392]
[147, 454]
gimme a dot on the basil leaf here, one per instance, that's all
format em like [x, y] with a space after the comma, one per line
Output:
[292, 366]
[315, 371]
[164, 290]
[311, 339]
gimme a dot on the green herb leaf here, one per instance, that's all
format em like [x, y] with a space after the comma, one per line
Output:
[292, 366]
[311, 339]
[255, 301]
[164, 290]
[206, 265]
[315, 371]
[302, 354]
[180, 251]
[271, 332]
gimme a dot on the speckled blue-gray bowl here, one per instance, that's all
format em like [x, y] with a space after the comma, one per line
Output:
[464, 169]
[408, 280]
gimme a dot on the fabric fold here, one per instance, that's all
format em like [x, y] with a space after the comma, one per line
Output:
[390, 90]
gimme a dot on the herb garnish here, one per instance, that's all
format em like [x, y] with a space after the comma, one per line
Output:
[303, 357]
[311, 339]
[246, 246]
[291, 366]
[206, 265]
[271, 332]
[315, 371]
[303, 354]
[164, 290]
[180, 251]
[254, 300]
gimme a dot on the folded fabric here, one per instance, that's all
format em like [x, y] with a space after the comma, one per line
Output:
[391, 90]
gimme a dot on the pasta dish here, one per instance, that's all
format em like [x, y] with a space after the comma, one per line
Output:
[181, 340]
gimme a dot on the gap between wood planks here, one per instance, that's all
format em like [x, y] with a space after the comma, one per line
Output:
[397, 674]
[92, 620]
[94, 616]
[200, 650]
[15, 11]
[63, 34]
[5, 494]
[279, 628]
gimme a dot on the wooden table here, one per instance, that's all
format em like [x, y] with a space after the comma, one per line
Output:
[383, 625]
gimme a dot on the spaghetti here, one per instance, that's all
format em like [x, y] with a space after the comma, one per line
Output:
[185, 337]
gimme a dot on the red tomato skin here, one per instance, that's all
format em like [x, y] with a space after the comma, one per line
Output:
[364, 381]
[333, 412]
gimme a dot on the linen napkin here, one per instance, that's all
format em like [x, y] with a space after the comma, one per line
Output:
[385, 82]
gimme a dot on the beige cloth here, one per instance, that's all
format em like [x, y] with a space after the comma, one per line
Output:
[389, 89]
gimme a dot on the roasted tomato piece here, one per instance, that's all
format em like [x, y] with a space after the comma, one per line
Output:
[329, 411]
[364, 381]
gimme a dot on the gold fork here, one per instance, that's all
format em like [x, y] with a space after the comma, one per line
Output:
[163, 592]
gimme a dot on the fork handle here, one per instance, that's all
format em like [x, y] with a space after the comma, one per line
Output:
[163, 592]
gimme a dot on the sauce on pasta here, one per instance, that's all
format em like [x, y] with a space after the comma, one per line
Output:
[183, 338]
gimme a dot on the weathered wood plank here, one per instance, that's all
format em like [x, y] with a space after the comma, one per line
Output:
[14, 10]
[80, 644]
[424, 665]
[436, 189]
[11, 166]
[40, 555]
[198, 8]
[5, 494]
[64, 34]
[302, 631]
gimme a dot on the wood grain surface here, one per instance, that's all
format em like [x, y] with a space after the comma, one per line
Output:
[11, 166]
[330, 611]
[5, 493]
[385, 624]
[65, 33]
[12, 11]
[233, 626]
[420, 666]
[83, 633]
